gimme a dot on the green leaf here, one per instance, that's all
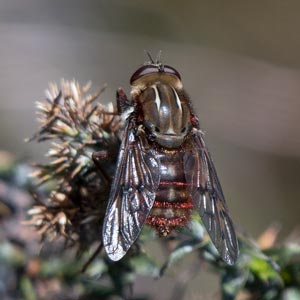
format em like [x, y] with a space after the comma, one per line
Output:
[27, 288]
[180, 251]
[291, 294]
[96, 268]
[285, 254]
[232, 284]
[291, 273]
[264, 270]
[11, 254]
[195, 228]
[144, 265]
[61, 267]
[147, 234]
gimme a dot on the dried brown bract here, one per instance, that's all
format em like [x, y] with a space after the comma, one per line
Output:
[74, 192]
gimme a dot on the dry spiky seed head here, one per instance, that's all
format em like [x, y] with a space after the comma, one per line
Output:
[77, 126]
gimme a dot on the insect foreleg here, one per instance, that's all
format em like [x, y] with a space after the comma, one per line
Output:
[123, 103]
[97, 158]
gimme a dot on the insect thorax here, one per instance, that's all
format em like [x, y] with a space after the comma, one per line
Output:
[165, 114]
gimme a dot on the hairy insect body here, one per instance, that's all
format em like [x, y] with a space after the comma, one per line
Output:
[164, 169]
[165, 114]
[173, 203]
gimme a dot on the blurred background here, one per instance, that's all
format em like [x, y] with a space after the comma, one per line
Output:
[239, 62]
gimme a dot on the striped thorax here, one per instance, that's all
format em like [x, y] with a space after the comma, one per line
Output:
[164, 109]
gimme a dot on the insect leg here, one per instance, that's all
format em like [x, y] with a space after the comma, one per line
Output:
[97, 158]
[122, 101]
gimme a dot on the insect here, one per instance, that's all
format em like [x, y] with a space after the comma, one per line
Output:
[164, 170]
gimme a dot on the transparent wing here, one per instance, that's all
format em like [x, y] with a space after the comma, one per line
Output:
[132, 194]
[208, 197]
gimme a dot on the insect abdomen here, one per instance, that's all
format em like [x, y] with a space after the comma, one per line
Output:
[173, 204]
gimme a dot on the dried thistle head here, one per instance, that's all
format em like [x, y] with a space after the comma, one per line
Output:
[77, 194]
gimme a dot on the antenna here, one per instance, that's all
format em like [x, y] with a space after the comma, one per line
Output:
[151, 60]
[158, 56]
[150, 57]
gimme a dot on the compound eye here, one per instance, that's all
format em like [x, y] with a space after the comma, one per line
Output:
[171, 70]
[153, 68]
[142, 71]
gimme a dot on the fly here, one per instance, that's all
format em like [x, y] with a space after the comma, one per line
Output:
[164, 170]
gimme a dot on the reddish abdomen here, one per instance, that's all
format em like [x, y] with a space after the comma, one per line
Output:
[173, 204]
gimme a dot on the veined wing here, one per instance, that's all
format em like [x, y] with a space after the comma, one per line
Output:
[208, 197]
[132, 194]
